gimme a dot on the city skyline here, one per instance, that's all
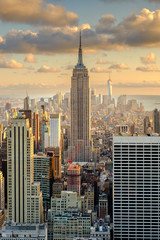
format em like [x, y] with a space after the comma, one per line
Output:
[38, 49]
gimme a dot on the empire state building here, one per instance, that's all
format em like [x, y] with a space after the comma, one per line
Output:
[80, 145]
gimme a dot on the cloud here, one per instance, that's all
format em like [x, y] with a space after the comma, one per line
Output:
[30, 58]
[120, 66]
[10, 64]
[136, 30]
[150, 58]
[156, 1]
[110, 1]
[143, 84]
[152, 68]
[54, 40]
[36, 12]
[101, 61]
[105, 24]
[47, 69]
[40, 88]
[99, 70]
[69, 67]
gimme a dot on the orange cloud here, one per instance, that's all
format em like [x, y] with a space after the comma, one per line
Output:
[36, 12]
[10, 64]
[30, 58]
[120, 66]
[150, 58]
[101, 61]
[47, 69]
[98, 70]
[151, 68]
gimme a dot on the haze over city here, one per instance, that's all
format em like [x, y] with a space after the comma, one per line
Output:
[39, 41]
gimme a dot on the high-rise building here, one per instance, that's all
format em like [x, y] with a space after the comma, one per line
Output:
[2, 195]
[36, 131]
[147, 125]
[28, 115]
[103, 206]
[109, 86]
[80, 113]
[89, 193]
[74, 178]
[43, 173]
[26, 103]
[33, 104]
[136, 187]
[1, 134]
[55, 130]
[156, 121]
[55, 152]
[21, 187]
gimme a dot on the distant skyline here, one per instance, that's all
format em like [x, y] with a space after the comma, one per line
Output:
[39, 45]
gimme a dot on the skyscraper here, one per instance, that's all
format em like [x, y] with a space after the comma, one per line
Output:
[80, 113]
[55, 130]
[74, 178]
[136, 187]
[22, 194]
[26, 102]
[109, 86]
[2, 196]
[156, 121]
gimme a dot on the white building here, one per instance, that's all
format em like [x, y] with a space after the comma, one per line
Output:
[13, 231]
[55, 130]
[136, 187]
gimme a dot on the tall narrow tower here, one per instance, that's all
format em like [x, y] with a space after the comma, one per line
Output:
[80, 112]
[109, 86]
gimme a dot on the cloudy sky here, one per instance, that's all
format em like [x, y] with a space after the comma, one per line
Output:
[39, 43]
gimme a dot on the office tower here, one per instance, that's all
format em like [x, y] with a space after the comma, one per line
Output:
[8, 106]
[1, 134]
[136, 187]
[3, 164]
[156, 121]
[55, 130]
[2, 195]
[43, 173]
[20, 174]
[21, 231]
[103, 206]
[89, 193]
[45, 136]
[147, 125]
[28, 115]
[36, 131]
[55, 152]
[80, 113]
[33, 104]
[109, 88]
[26, 103]
[93, 97]
[74, 178]
[105, 100]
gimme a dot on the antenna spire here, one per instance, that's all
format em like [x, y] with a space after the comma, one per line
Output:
[80, 60]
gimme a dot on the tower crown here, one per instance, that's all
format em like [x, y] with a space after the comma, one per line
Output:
[80, 58]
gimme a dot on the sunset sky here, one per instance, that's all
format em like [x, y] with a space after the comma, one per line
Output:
[39, 42]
